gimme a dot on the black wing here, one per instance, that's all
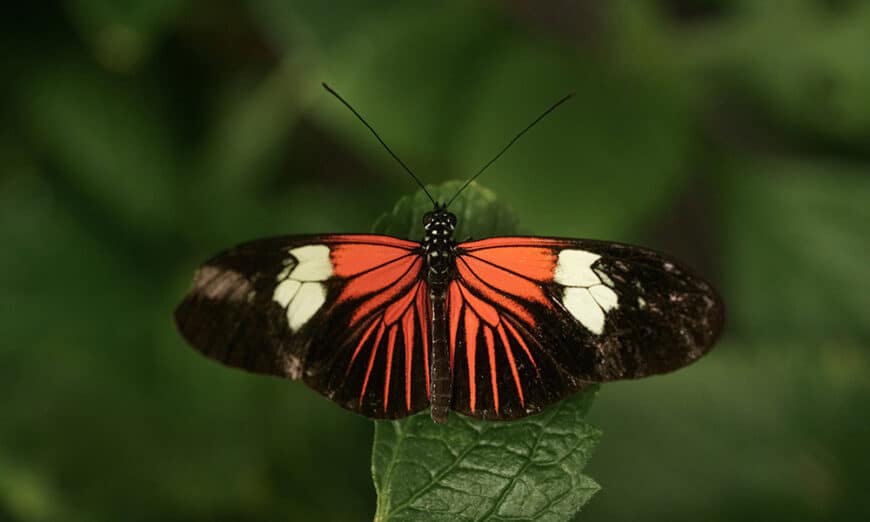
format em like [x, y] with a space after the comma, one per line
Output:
[348, 314]
[533, 320]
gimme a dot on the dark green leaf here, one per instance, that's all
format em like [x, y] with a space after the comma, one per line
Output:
[479, 213]
[477, 470]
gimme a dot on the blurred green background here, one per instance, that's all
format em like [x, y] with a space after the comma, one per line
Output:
[140, 137]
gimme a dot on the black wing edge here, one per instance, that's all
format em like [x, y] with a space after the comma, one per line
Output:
[229, 315]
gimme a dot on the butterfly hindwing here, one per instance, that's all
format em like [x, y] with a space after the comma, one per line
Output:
[535, 319]
[348, 314]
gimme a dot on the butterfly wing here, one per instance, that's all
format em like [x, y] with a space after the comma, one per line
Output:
[532, 320]
[348, 314]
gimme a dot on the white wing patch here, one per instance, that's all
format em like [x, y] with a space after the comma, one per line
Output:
[305, 304]
[574, 268]
[582, 305]
[588, 294]
[286, 291]
[300, 288]
[314, 263]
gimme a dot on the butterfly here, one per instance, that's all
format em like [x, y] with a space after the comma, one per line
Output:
[495, 328]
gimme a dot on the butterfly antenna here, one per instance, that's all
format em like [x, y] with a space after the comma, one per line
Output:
[506, 147]
[393, 154]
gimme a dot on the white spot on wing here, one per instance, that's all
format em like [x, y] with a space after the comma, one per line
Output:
[582, 305]
[574, 268]
[299, 290]
[305, 304]
[285, 292]
[605, 297]
[604, 278]
[314, 263]
[588, 293]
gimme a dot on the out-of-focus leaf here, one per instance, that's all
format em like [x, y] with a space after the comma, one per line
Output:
[443, 51]
[597, 169]
[96, 383]
[478, 212]
[123, 33]
[805, 64]
[796, 249]
[26, 495]
[241, 153]
[111, 145]
[478, 470]
[250, 131]
[802, 404]
[466, 89]
[314, 26]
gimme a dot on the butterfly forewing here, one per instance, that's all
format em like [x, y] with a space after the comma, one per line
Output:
[535, 319]
[346, 313]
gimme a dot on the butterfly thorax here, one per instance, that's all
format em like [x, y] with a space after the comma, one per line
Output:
[439, 246]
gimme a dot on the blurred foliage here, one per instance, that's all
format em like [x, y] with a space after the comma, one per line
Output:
[140, 137]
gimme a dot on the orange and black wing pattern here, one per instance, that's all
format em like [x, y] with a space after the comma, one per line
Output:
[348, 314]
[532, 320]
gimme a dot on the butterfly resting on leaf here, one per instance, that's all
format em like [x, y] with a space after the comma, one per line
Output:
[495, 328]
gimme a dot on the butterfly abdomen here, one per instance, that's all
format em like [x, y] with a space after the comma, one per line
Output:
[439, 249]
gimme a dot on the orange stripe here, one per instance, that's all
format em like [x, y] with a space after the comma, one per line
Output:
[384, 296]
[408, 331]
[351, 259]
[505, 281]
[377, 279]
[472, 323]
[469, 278]
[395, 310]
[510, 357]
[486, 311]
[531, 262]
[423, 315]
[490, 348]
[360, 345]
[371, 362]
[391, 343]
[520, 340]
[454, 309]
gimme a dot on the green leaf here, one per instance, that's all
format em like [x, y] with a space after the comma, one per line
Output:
[479, 213]
[477, 470]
